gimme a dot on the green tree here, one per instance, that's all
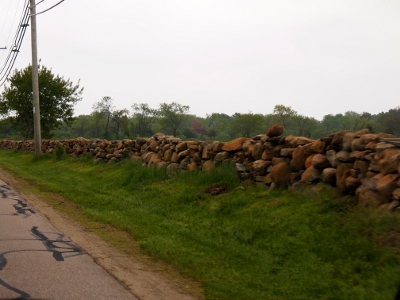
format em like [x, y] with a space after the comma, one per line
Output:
[284, 115]
[81, 126]
[391, 121]
[217, 124]
[305, 126]
[6, 129]
[247, 125]
[104, 109]
[119, 120]
[57, 98]
[145, 118]
[173, 115]
[353, 121]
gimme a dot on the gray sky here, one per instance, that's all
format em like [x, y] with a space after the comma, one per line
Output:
[319, 57]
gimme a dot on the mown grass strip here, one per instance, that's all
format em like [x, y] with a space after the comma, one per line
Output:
[242, 244]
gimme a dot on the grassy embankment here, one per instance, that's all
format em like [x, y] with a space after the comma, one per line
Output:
[243, 244]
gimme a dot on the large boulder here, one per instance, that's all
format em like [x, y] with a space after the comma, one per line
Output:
[343, 171]
[311, 175]
[308, 162]
[281, 173]
[319, 146]
[298, 159]
[168, 155]
[329, 176]
[274, 130]
[257, 151]
[320, 161]
[234, 145]
[181, 146]
[389, 161]
[387, 184]
[337, 140]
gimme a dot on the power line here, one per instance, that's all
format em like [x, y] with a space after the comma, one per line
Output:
[5, 18]
[49, 7]
[12, 23]
[7, 36]
[14, 49]
[19, 36]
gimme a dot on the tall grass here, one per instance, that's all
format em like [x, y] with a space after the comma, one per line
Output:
[246, 243]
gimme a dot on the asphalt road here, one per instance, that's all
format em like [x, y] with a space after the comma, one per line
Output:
[38, 262]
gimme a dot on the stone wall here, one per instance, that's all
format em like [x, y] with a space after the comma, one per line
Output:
[356, 163]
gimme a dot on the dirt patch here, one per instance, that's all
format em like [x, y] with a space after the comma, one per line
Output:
[391, 241]
[143, 276]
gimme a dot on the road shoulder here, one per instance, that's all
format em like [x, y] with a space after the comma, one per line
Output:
[145, 278]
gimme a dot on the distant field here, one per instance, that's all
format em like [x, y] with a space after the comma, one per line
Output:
[246, 243]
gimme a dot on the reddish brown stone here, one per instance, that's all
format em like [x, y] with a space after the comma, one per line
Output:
[298, 159]
[153, 146]
[329, 176]
[311, 175]
[320, 161]
[181, 146]
[168, 155]
[257, 151]
[274, 130]
[308, 162]
[234, 145]
[387, 184]
[389, 161]
[174, 157]
[318, 146]
[342, 172]
[280, 173]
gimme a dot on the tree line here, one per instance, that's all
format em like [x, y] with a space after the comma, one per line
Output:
[58, 96]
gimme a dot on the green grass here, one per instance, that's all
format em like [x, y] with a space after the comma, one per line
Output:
[242, 244]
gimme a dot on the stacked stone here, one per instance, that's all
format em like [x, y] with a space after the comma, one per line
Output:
[356, 163]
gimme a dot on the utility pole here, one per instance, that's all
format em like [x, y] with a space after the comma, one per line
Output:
[35, 82]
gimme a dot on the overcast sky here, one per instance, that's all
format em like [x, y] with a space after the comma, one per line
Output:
[319, 57]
